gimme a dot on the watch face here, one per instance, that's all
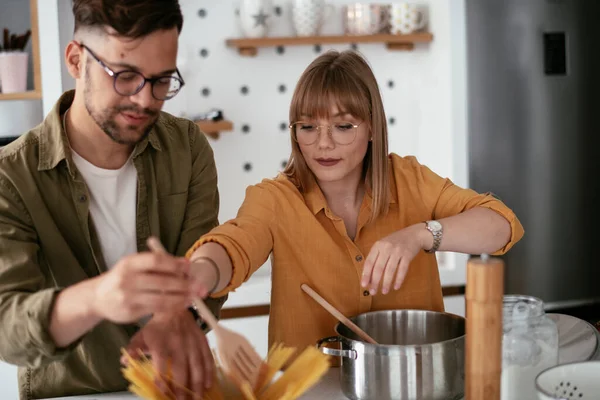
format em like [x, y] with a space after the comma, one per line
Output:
[435, 225]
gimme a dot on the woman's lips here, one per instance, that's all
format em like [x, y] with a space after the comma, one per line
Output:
[328, 162]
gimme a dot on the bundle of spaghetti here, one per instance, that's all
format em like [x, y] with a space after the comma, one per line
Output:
[303, 373]
[143, 376]
[306, 370]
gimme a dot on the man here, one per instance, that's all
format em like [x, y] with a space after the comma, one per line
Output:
[80, 195]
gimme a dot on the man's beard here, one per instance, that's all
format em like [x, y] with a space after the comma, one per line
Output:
[105, 119]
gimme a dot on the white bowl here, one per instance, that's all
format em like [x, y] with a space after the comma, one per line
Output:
[571, 381]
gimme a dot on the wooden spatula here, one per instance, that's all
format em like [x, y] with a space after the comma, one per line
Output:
[239, 359]
[335, 312]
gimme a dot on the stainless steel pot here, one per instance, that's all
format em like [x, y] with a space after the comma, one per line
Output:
[420, 355]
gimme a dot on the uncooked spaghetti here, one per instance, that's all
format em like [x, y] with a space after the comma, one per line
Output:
[302, 374]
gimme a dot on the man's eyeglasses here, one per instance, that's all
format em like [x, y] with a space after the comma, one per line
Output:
[129, 83]
[307, 133]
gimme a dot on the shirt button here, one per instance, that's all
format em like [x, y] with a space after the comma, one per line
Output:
[366, 293]
[82, 198]
[358, 258]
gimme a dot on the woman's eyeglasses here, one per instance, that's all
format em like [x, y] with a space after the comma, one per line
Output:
[307, 133]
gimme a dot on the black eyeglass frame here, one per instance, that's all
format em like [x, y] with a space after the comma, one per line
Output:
[115, 75]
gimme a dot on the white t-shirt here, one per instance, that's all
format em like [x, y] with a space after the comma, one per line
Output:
[113, 197]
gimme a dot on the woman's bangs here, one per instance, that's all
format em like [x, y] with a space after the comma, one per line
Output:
[323, 89]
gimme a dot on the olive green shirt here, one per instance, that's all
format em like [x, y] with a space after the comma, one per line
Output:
[48, 242]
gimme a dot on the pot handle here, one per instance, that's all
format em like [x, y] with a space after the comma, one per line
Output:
[335, 352]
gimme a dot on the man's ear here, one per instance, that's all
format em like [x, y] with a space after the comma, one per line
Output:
[74, 59]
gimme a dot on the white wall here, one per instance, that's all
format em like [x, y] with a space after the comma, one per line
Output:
[9, 388]
[18, 116]
[52, 49]
[66, 26]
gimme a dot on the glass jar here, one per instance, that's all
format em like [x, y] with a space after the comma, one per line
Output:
[529, 346]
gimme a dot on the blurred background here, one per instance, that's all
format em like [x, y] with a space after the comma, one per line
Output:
[498, 95]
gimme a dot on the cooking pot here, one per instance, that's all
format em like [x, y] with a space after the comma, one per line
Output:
[420, 355]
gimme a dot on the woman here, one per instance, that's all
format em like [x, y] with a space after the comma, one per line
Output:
[357, 224]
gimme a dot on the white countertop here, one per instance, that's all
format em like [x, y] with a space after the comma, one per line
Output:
[327, 389]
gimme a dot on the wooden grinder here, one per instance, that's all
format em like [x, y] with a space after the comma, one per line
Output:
[484, 295]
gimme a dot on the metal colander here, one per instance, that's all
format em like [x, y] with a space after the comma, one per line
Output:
[572, 381]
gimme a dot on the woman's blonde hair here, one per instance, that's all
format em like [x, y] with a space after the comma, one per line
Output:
[346, 79]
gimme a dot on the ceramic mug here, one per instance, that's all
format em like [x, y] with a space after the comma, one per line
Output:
[308, 16]
[406, 18]
[13, 71]
[254, 17]
[366, 19]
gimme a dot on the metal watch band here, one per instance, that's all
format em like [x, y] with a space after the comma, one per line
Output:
[437, 239]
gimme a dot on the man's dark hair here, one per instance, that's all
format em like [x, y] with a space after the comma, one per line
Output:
[129, 18]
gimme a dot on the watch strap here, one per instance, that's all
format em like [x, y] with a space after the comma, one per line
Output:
[437, 239]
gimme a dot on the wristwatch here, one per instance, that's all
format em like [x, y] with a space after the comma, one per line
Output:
[436, 230]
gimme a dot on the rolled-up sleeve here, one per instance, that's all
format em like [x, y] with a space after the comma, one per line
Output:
[248, 238]
[26, 300]
[446, 199]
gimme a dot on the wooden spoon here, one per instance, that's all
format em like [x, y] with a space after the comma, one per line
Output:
[334, 311]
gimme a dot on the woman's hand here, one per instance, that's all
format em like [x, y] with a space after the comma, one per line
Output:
[390, 257]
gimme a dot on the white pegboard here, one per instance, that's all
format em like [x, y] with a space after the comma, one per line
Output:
[416, 86]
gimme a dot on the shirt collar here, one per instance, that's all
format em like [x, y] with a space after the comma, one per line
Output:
[315, 199]
[54, 145]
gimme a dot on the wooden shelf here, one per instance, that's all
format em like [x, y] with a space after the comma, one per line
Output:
[31, 95]
[249, 46]
[214, 128]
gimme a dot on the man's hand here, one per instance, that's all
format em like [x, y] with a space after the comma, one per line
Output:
[178, 341]
[143, 284]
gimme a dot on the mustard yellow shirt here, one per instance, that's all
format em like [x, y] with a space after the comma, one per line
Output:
[309, 244]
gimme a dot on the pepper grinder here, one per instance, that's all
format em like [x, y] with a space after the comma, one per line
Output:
[484, 296]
